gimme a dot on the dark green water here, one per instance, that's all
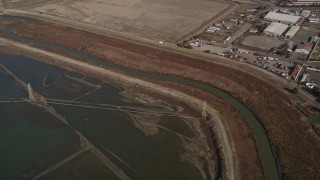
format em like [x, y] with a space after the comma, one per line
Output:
[113, 132]
[51, 77]
[151, 157]
[268, 160]
[9, 89]
[176, 124]
[85, 166]
[31, 140]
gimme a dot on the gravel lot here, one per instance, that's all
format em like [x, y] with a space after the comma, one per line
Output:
[262, 42]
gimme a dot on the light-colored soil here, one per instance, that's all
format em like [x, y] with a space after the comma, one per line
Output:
[262, 42]
[166, 20]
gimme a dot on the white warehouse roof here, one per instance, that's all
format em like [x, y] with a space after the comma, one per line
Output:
[292, 31]
[282, 17]
[306, 2]
[276, 28]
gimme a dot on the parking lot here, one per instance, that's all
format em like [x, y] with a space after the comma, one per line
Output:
[304, 35]
[314, 77]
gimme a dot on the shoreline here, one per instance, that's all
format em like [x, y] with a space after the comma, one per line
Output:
[119, 82]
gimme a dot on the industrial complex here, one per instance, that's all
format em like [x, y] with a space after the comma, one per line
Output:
[276, 29]
[283, 18]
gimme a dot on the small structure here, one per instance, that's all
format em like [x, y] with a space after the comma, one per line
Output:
[212, 29]
[290, 46]
[31, 97]
[252, 10]
[305, 13]
[314, 19]
[275, 29]
[304, 48]
[253, 30]
[292, 31]
[304, 77]
[295, 71]
[204, 109]
[283, 18]
[306, 2]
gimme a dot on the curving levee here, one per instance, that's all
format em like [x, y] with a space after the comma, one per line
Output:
[265, 150]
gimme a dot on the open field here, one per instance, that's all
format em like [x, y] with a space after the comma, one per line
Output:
[167, 20]
[26, 4]
[288, 133]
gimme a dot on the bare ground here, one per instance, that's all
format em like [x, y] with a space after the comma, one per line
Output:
[167, 20]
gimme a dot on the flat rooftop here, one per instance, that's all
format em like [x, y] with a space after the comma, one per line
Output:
[276, 28]
[273, 16]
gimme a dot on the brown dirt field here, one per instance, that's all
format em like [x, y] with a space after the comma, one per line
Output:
[167, 20]
[296, 148]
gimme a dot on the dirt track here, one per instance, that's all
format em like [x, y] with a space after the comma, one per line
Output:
[288, 133]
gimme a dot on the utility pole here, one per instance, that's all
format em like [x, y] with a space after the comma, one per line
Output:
[204, 111]
[31, 97]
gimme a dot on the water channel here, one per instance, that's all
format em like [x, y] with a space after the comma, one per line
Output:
[265, 150]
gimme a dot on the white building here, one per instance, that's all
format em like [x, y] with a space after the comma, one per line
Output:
[306, 2]
[314, 19]
[283, 18]
[292, 31]
[305, 13]
[275, 29]
[304, 48]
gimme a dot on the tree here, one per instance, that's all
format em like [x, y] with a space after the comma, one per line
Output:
[316, 90]
[295, 90]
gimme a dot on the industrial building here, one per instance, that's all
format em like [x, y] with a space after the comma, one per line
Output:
[306, 2]
[275, 29]
[283, 18]
[292, 31]
[305, 13]
[314, 19]
[304, 48]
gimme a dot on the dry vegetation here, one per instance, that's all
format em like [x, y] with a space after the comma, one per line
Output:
[296, 147]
